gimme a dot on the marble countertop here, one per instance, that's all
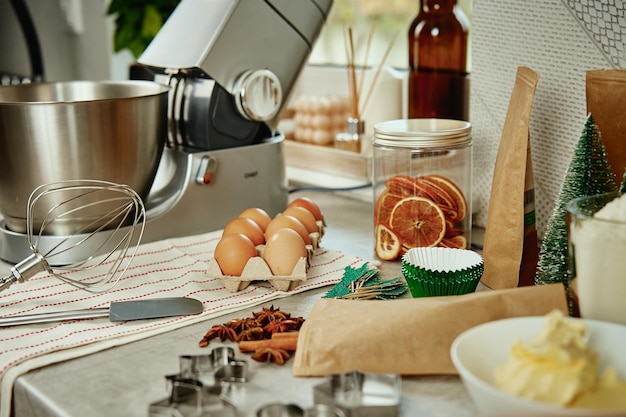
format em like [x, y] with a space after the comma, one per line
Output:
[124, 380]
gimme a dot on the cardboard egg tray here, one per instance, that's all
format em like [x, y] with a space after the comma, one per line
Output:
[256, 269]
[321, 226]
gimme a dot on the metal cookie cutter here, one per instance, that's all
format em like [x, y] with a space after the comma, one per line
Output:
[199, 388]
[217, 367]
[293, 410]
[361, 394]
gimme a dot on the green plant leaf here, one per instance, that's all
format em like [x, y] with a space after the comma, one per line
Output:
[137, 22]
[152, 22]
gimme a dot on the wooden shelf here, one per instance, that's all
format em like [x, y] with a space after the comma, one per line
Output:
[328, 160]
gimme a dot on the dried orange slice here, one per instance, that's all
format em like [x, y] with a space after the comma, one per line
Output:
[418, 222]
[440, 195]
[388, 245]
[452, 231]
[406, 186]
[384, 204]
[401, 186]
[455, 192]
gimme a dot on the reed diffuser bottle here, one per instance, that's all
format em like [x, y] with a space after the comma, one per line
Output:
[438, 74]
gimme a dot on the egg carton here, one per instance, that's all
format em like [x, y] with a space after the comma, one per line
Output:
[256, 269]
[321, 227]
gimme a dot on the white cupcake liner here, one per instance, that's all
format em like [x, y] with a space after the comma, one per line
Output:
[442, 259]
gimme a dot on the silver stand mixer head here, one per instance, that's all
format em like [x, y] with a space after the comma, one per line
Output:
[231, 65]
[242, 45]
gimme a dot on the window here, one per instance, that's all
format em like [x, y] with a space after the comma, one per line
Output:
[386, 19]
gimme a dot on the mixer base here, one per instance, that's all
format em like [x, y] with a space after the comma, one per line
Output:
[14, 247]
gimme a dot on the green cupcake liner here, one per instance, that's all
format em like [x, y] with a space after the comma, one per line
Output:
[441, 271]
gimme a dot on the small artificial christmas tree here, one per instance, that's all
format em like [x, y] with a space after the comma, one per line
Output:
[622, 188]
[589, 173]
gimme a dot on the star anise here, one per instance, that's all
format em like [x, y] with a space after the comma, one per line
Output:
[280, 326]
[271, 355]
[300, 321]
[218, 331]
[239, 325]
[253, 333]
[268, 314]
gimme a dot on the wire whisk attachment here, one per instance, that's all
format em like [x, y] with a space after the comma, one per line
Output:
[95, 221]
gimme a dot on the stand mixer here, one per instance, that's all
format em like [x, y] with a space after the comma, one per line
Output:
[230, 66]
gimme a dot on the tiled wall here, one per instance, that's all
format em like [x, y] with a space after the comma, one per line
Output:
[559, 39]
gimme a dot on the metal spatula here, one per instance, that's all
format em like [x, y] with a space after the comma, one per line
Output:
[117, 311]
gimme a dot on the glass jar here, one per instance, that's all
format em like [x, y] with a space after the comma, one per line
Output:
[422, 178]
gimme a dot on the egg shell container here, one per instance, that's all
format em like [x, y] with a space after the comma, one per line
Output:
[256, 269]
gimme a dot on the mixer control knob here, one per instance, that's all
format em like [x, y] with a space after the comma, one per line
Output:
[258, 95]
[206, 170]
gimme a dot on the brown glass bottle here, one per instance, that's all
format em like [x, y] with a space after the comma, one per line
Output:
[438, 77]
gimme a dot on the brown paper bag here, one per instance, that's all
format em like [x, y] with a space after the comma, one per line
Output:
[606, 101]
[510, 243]
[407, 336]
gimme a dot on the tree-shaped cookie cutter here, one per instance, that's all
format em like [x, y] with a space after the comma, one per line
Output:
[201, 385]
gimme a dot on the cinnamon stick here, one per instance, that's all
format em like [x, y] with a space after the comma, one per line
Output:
[283, 340]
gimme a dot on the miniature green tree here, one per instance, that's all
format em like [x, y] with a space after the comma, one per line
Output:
[589, 173]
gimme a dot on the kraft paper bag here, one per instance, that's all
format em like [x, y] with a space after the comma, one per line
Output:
[407, 336]
[606, 101]
[510, 243]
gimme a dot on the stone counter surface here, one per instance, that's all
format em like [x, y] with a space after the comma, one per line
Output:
[124, 380]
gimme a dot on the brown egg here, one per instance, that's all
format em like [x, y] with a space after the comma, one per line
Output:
[233, 252]
[308, 204]
[246, 227]
[286, 221]
[258, 215]
[304, 215]
[283, 250]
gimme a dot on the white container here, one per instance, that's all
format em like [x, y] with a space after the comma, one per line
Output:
[597, 254]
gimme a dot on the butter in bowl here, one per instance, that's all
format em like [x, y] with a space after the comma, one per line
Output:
[437, 271]
[539, 366]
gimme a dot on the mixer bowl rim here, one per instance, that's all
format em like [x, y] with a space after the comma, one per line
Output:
[145, 89]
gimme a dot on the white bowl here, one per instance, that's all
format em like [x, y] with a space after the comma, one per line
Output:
[477, 352]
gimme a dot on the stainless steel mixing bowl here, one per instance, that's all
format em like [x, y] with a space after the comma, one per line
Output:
[103, 130]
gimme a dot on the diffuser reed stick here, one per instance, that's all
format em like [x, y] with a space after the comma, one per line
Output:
[356, 83]
[377, 73]
[351, 140]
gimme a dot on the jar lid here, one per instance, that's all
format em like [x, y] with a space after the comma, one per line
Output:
[423, 133]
